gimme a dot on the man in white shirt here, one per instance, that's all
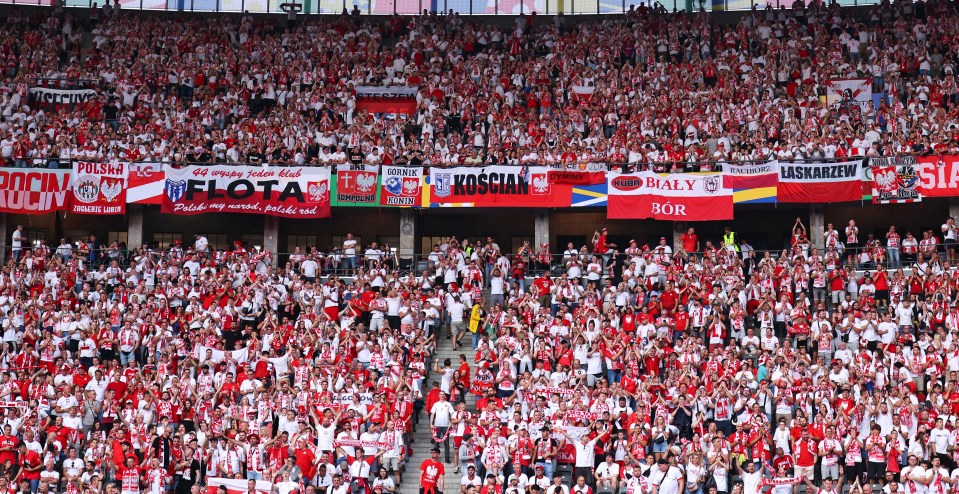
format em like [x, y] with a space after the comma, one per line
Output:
[668, 479]
[607, 474]
[201, 245]
[440, 417]
[16, 244]
[349, 253]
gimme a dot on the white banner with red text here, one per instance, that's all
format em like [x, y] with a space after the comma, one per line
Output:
[674, 197]
[98, 188]
[289, 192]
[820, 182]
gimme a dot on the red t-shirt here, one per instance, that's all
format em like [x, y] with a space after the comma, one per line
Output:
[430, 472]
[689, 242]
[30, 460]
[11, 443]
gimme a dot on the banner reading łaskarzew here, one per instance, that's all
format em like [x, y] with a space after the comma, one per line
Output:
[676, 197]
[98, 188]
[820, 182]
[401, 186]
[26, 191]
[290, 192]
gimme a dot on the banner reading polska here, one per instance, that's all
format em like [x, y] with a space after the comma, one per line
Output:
[676, 197]
[99, 188]
[401, 186]
[820, 182]
[895, 181]
[289, 192]
[33, 191]
[497, 186]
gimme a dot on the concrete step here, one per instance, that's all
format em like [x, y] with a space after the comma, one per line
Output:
[422, 437]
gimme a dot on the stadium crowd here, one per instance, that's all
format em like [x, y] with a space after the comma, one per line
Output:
[647, 87]
[642, 369]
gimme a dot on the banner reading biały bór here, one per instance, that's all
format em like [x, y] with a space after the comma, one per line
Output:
[675, 197]
[290, 192]
[99, 188]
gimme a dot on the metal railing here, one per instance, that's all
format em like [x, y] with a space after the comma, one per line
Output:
[54, 162]
[417, 7]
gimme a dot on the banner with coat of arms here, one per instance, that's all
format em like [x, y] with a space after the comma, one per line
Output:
[402, 186]
[99, 188]
[289, 192]
[895, 180]
[356, 186]
[496, 186]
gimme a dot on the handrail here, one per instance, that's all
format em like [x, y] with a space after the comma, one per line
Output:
[44, 162]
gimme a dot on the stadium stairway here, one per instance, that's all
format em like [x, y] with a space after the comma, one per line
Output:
[422, 440]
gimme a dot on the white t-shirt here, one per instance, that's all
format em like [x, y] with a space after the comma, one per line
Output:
[17, 239]
[442, 412]
[667, 481]
[349, 247]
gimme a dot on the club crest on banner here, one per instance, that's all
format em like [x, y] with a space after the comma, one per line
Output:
[87, 189]
[394, 185]
[711, 184]
[444, 184]
[175, 189]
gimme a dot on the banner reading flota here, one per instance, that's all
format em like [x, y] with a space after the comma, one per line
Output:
[290, 192]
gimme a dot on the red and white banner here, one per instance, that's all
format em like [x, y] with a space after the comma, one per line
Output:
[145, 183]
[28, 191]
[849, 91]
[578, 174]
[236, 486]
[675, 197]
[820, 182]
[383, 99]
[99, 188]
[290, 192]
[401, 186]
[939, 175]
[497, 186]
[581, 93]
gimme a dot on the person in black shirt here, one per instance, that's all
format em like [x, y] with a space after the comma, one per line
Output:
[356, 156]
